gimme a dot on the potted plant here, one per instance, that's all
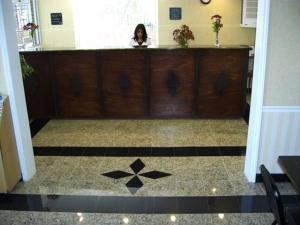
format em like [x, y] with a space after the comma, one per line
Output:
[27, 70]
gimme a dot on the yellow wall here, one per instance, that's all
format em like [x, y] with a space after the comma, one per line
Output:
[282, 87]
[197, 16]
[56, 36]
[194, 13]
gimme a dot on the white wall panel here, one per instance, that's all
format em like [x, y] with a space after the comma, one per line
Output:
[280, 135]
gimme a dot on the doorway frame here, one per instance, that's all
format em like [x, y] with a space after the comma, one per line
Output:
[258, 89]
[9, 55]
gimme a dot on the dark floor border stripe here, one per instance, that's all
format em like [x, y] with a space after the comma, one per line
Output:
[36, 125]
[139, 205]
[276, 177]
[140, 151]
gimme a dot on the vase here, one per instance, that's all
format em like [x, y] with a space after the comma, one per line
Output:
[217, 43]
[183, 44]
[35, 46]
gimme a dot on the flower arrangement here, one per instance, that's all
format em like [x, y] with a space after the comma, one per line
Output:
[183, 35]
[31, 27]
[217, 25]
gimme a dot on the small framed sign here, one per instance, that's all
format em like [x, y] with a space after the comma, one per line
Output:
[56, 19]
[175, 13]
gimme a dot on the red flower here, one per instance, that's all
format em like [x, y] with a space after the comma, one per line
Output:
[183, 34]
[216, 16]
[217, 25]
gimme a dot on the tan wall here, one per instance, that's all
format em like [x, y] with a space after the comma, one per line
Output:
[194, 14]
[197, 16]
[3, 89]
[56, 35]
[283, 68]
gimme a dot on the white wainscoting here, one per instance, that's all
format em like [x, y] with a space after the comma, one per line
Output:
[280, 135]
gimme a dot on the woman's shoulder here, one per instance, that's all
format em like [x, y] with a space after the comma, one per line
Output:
[133, 42]
[148, 41]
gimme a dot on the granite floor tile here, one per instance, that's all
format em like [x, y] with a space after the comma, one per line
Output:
[61, 218]
[144, 133]
[243, 219]
[190, 176]
[242, 187]
[204, 188]
[285, 188]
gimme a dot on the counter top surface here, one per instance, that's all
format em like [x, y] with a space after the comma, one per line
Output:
[160, 47]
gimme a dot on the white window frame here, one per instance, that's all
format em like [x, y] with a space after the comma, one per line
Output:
[245, 21]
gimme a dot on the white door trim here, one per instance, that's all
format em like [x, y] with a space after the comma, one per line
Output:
[259, 72]
[15, 89]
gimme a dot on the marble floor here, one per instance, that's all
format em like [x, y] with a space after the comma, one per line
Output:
[188, 176]
[143, 133]
[51, 218]
[76, 184]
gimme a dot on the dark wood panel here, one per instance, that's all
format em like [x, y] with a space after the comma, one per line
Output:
[77, 91]
[222, 77]
[137, 83]
[172, 83]
[39, 87]
[123, 83]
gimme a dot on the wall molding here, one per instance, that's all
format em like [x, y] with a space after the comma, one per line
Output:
[258, 88]
[281, 109]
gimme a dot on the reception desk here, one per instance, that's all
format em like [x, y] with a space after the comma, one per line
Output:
[164, 82]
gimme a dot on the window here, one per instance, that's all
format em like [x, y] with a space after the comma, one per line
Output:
[25, 12]
[111, 23]
[249, 13]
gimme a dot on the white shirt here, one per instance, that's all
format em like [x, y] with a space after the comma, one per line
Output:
[135, 43]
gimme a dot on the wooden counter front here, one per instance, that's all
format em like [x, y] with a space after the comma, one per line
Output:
[137, 83]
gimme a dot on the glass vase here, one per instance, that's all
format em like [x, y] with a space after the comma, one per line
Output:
[33, 41]
[35, 46]
[217, 43]
[183, 44]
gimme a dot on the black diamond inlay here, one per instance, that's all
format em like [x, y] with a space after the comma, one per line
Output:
[117, 174]
[137, 166]
[134, 185]
[155, 174]
[135, 182]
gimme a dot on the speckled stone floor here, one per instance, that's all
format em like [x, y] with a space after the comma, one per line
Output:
[143, 133]
[190, 176]
[49, 218]
[60, 177]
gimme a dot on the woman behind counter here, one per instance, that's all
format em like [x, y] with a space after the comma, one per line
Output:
[140, 38]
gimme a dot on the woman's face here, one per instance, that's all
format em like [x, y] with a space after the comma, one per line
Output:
[140, 34]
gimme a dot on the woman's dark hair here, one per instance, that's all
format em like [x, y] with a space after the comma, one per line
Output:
[140, 27]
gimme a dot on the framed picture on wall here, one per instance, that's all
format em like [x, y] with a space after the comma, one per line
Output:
[175, 13]
[56, 19]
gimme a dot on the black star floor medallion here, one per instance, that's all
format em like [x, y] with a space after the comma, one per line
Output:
[134, 184]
